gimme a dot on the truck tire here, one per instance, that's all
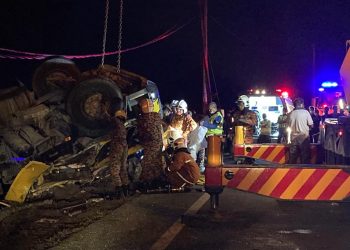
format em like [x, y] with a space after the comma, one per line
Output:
[84, 106]
[55, 74]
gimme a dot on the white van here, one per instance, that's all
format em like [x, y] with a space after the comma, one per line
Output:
[272, 106]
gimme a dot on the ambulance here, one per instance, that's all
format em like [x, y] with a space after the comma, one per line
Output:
[270, 104]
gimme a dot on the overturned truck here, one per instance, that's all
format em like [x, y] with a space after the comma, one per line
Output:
[63, 117]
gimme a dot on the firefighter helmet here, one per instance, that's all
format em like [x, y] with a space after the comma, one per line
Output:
[182, 105]
[180, 143]
[174, 103]
[244, 99]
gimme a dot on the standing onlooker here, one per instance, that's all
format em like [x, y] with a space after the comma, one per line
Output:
[265, 130]
[325, 114]
[300, 121]
[282, 127]
[315, 130]
[335, 113]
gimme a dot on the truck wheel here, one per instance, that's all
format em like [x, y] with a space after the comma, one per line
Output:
[84, 105]
[214, 201]
[55, 74]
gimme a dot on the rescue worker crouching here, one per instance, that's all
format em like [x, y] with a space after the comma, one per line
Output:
[246, 118]
[182, 170]
[119, 149]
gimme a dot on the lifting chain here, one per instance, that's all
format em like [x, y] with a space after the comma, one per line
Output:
[105, 34]
[120, 35]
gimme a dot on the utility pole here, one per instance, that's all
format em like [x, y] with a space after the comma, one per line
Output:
[313, 70]
[203, 6]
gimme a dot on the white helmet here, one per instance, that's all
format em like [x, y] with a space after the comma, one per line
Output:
[174, 103]
[244, 99]
[182, 105]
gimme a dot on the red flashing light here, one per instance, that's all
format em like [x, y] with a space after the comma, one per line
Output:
[285, 94]
[279, 90]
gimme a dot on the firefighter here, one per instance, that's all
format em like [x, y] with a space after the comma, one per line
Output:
[246, 118]
[119, 149]
[150, 130]
[182, 171]
[167, 115]
[181, 122]
[300, 122]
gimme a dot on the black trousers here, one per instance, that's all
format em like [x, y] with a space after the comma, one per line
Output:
[300, 147]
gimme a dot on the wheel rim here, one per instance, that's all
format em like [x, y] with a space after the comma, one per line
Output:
[93, 106]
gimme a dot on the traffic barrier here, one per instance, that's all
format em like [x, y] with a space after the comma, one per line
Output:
[336, 145]
[321, 183]
[297, 182]
[274, 153]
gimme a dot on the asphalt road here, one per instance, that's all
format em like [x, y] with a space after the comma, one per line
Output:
[243, 221]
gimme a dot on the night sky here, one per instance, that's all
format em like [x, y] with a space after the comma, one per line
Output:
[264, 43]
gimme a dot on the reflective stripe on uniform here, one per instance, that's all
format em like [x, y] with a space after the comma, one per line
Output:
[219, 130]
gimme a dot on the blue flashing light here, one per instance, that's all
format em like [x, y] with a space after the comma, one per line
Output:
[329, 84]
[321, 89]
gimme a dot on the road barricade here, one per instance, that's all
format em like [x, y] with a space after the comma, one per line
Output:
[273, 152]
[275, 178]
[337, 142]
